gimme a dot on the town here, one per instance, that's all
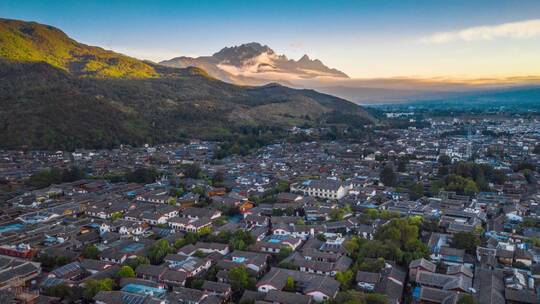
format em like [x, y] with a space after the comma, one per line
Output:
[443, 213]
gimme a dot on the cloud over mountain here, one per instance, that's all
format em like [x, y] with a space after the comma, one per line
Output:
[255, 63]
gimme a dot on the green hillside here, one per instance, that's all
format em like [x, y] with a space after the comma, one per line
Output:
[31, 42]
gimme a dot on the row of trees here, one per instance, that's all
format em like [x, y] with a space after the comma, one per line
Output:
[462, 177]
[468, 177]
[237, 240]
[51, 176]
[73, 294]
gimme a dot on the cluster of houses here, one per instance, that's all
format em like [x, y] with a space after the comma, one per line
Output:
[297, 205]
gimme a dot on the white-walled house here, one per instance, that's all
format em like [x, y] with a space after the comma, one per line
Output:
[323, 188]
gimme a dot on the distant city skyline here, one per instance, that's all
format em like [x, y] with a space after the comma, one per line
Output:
[365, 39]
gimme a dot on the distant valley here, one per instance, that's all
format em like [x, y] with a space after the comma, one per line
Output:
[257, 64]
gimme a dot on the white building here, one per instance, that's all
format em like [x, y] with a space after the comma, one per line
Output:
[324, 188]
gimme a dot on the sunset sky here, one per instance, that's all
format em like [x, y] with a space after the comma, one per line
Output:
[365, 39]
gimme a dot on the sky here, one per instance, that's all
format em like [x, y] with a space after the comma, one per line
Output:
[366, 39]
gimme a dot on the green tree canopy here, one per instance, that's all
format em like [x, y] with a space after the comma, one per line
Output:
[238, 278]
[465, 240]
[337, 214]
[136, 261]
[191, 170]
[90, 252]
[45, 178]
[289, 285]
[357, 297]
[397, 240]
[158, 251]
[92, 287]
[466, 299]
[388, 177]
[445, 160]
[142, 175]
[345, 279]
[126, 272]
[58, 291]
[284, 252]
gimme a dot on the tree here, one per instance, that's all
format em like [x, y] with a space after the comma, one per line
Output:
[465, 240]
[398, 230]
[92, 287]
[481, 174]
[191, 170]
[49, 262]
[142, 175]
[158, 251]
[198, 254]
[416, 191]
[211, 274]
[116, 215]
[282, 186]
[402, 164]
[289, 284]
[176, 192]
[357, 297]
[466, 299]
[337, 214]
[191, 238]
[372, 266]
[172, 201]
[205, 231]
[376, 298]
[247, 301]
[48, 177]
[72, 174]
[528, 176]
[45, 178]
[288, 265]
[321, 237]
[353, 246]
[470, 188]
[90, 252]
[345, 278]
[198, 190]
[179, 243]
[241, 240]
[136, 261]
[195, 283]
[284, 252]
[238, 278]
[58, 291]
[524, 165]
[462, 185]
[397, 240]
[126, 272]
[387, 176]
[445, 160]
[534, 241]
[218, 178]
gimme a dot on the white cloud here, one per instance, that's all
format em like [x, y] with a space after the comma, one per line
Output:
[515, 30]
